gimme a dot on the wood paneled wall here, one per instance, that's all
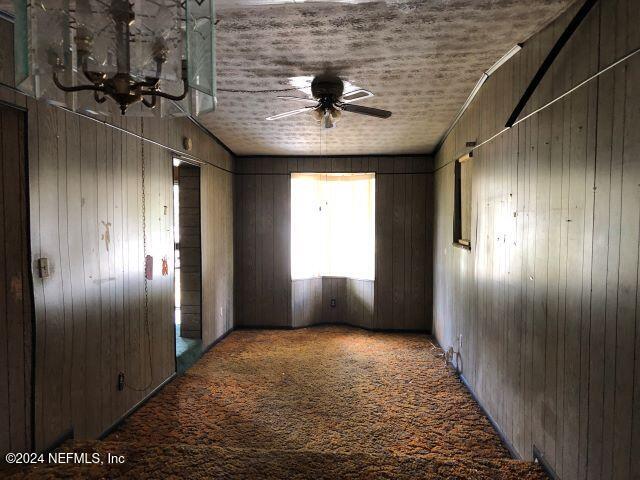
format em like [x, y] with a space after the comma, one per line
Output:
[306, 302]
[265, 295]
[86, 211]
[359, 298]
[190, 251]
[546, 301]
[89, 313]
[311, 301]
[86, 218]
[16, 310]
[217, 253]
[262, 211]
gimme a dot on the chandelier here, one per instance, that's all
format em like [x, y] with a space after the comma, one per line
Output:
[135, 57]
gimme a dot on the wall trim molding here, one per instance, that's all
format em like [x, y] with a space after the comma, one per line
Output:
[535, 112]
[7, 17]
[174, 152]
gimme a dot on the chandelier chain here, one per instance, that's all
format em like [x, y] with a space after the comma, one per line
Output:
[144, 249]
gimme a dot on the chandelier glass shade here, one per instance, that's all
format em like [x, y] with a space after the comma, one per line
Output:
[104, 57]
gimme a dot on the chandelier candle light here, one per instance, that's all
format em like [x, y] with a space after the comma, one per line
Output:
[151, 57]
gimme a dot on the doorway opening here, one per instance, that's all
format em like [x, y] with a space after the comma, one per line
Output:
[188, 264]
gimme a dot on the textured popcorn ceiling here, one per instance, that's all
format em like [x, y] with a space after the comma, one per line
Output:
[420, 59]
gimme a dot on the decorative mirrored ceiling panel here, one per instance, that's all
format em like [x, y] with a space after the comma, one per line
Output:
[148, 57]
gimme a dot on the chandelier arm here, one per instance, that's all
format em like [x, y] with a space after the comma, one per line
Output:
[98, 98]
[94, 77]
[149, 83]
[150, 104]
[158, 70]
[79, 88]
[167, 95]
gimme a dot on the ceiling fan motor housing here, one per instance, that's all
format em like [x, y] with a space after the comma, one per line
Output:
[327, 86]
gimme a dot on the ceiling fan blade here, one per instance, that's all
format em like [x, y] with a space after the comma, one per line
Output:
[372, 112]
[356, 95]
[298, 99]
[290, 113]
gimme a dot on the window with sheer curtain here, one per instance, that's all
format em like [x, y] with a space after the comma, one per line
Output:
[333, 225]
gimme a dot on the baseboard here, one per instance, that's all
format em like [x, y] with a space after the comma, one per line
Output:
[326, 324]
[538, 456]
[503, 438]
[265, 327]
[129, 412]
[423, 331]
[68, 435]
[215, 342]
[541, 459]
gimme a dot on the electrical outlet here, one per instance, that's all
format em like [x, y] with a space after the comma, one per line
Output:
[43, 267]
[333, 303]
[121, 381]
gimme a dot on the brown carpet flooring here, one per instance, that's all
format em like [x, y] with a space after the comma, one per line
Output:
[321, 403]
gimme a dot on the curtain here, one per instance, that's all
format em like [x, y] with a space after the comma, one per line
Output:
[333, 225]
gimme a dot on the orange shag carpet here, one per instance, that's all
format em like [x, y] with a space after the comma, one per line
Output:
[317, 403]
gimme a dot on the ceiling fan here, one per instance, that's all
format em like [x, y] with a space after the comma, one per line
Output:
[329, 101]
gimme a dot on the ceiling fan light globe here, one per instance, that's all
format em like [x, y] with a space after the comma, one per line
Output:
[327, 120]
[318, 114]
